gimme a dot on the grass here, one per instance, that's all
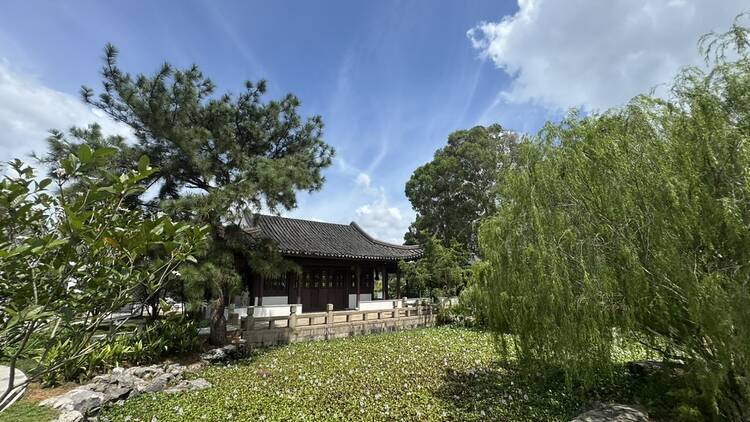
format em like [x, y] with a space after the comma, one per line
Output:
[432, 374]
[26, 411]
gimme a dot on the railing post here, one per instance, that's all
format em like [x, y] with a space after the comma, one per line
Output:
[329, 314]
[249, 323]
[396, 309]
[292, 321]
[405, 305]
[234, 318]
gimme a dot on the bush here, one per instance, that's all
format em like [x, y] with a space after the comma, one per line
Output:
[148, 344]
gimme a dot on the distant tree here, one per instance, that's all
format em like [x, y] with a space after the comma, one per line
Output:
[635, 225]
[220, 157]
[442, 271]
[459, 187]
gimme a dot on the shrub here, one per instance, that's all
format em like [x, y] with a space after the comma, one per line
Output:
[147, 344]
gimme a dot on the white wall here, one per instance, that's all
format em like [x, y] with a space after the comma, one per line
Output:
[273, 300]
[353, 299]
[378, 305]
[275, 310]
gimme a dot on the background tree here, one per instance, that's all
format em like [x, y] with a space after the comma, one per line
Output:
[441, 272]
[458, 188]
[635, 225]
[70, 259]
[221, 158]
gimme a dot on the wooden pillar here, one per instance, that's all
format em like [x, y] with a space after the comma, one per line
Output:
[300, 279]
[385, 282]
[359, 279]
[347, 282]
[398, 282]
[260, 292]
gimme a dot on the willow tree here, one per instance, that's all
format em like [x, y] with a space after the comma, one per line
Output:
[635, 224]
[221, 158]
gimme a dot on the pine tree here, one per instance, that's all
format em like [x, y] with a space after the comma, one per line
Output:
[221, 158]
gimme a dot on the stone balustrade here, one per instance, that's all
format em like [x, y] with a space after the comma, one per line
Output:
[275, 330]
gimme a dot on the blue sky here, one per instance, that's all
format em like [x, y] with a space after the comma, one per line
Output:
[391, 78]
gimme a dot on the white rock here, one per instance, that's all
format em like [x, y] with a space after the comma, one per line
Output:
[77, 399]
[612, 413]
[69, 416]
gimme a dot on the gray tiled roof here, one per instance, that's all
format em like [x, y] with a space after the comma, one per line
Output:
[318, 239]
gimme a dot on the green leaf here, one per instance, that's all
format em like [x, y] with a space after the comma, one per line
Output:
[85, 154]
[143, 163]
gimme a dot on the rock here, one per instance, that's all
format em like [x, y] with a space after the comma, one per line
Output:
[145, 372]
[645, 367]
[79, 399]
[189, 385]
[612, 413]
[159, 383]
[230, 349]
[114, 388]
[69, 416]
[214, 355]
[195, 367]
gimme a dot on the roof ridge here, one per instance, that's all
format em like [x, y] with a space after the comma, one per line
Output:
[302, 220]
[381, 242]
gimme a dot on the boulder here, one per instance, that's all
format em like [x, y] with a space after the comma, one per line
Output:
[119, 385]
[612, 413]
[79, 399]
[69, 416]
[189, 385]
[175, 369]
[214, 355]
[159, 383]
[145, 372]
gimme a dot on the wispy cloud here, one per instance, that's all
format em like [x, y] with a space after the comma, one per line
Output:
[29, 109]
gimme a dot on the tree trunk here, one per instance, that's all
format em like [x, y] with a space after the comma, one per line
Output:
[218, 335]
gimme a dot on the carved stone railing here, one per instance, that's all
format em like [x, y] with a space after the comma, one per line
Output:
[334, 324]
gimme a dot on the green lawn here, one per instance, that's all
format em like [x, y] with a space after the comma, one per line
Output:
[25, 411]
[420, 375]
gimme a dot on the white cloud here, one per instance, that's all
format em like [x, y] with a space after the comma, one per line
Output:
[378, 217]
[383, 221]
[363, 180]
[597, 54]
[28, 110]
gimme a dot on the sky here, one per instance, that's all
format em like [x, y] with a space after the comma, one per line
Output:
[390, 78]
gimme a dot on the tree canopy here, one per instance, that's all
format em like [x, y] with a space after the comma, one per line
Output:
[70, 258]
[635, 224]
[458, 188]
[220, 158]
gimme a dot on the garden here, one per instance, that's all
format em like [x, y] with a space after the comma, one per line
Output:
[600, 261]
[430, 374]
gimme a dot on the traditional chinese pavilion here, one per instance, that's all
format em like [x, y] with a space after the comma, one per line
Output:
[340, 265]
